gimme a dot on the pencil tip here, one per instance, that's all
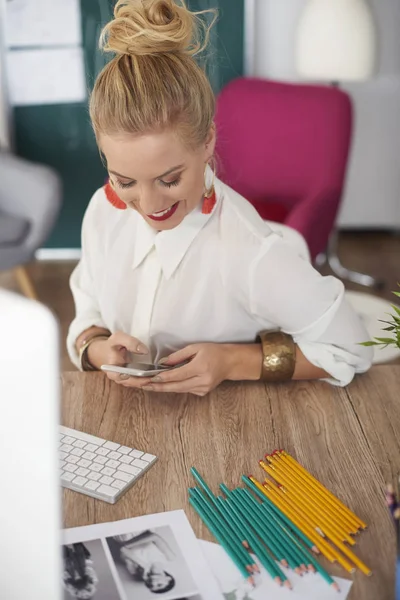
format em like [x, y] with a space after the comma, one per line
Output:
[335, 586]
[288, 584]
[278, 580]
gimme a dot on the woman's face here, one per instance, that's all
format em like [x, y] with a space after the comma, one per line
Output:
[157, 175]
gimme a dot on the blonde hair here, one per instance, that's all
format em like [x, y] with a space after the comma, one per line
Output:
[153, 82]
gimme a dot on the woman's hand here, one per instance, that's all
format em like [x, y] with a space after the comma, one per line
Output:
[115, 351]
[209, 365]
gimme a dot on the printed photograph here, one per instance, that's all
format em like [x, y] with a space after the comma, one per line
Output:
[150, 564]
[86, 572]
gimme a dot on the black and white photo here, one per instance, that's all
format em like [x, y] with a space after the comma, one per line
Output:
[150, 564]
[86, 572]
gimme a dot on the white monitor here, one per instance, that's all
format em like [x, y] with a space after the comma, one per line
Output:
[30, 512]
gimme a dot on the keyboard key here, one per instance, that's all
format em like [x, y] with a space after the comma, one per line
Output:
[66, 448]
[126, 459]
[140, 463]
[79, 444]
[61, 437]
[62, 463]
[102, 451]
[91, 448]
[117, 483]
[84, 463]
[72, 459]
[68, 440]
[113, 464]
[107, 491]
[136, 453]
[93, 476]
[70, 468]
[128, 469]
[80, 481]
[77, 452]
[89, 455]
[115, 455]
[127, 477]
[86, 437]
[62, 455]
[67, 476]
[101, 460]
[106, 480]
[92, 485]
[124, 449]
[111, 446]
[108, 471]
[148, 457]
[82, 471]
[96, 467]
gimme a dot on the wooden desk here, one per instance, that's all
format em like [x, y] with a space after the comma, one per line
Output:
[348, 438]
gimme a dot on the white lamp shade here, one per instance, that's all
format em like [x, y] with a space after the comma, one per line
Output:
[336, 40]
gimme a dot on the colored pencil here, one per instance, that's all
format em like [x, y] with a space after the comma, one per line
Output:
[221, 539]
[279, 514]
[279, 545]
[313, 497]
[230, 534]
[316, 514]
[258, 547]
[324, 489]
[308, 557]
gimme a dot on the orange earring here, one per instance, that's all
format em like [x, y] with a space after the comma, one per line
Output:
[209, 193]
[113, 197]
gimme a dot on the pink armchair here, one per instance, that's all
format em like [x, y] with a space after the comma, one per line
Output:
[284, 147]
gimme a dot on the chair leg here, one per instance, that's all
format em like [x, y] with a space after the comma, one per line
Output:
[347, 274]
[25, 283]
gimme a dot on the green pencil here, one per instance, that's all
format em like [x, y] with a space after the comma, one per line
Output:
[280, 514]
[290, 544]
[203, 484]
[257, 546]
[275, 537]
[224, 525]
[221, 539]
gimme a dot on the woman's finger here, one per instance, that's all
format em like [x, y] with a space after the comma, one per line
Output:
[181, 355]
[180, 374]
[131, 343]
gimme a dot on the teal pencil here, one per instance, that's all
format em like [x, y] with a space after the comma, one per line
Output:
[239, 525]
[289, 542]
[225, 527]
[280, 514]
[257, 546]
[274, 537]
[203, 484]
[221, 539]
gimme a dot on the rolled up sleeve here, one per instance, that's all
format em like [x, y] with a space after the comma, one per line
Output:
[87, 312]
[288, 292]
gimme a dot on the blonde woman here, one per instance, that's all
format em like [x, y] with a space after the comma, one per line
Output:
[176, 265]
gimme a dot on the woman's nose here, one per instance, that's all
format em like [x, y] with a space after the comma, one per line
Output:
[150, 202]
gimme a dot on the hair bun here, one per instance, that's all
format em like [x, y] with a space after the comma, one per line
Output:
[143, 27]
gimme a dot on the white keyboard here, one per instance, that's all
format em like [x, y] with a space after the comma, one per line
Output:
[99, 468]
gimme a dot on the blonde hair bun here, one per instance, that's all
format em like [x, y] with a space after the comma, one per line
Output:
[149, 27]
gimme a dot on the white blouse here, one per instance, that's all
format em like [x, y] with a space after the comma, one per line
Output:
[221, 277]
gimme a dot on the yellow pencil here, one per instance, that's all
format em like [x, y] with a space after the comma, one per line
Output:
[320, 543]
[324, 489]
[299, 480]
[333, 554]
[354, 525]
[317, 513]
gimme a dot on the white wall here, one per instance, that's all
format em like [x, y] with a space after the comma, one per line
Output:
[372, 194]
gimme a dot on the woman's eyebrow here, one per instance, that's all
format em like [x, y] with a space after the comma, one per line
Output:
[159, 177]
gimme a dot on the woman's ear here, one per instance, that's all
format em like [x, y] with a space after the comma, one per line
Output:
[210, 142]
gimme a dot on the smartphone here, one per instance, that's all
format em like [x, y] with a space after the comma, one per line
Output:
[141, 369]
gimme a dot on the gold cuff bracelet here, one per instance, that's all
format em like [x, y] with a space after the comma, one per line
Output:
[279, 356]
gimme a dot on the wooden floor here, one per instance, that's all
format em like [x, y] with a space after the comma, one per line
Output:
[377, 254]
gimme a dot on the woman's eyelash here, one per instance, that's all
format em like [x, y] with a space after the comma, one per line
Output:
[164, 183]
[125, 185]
[171, 183]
